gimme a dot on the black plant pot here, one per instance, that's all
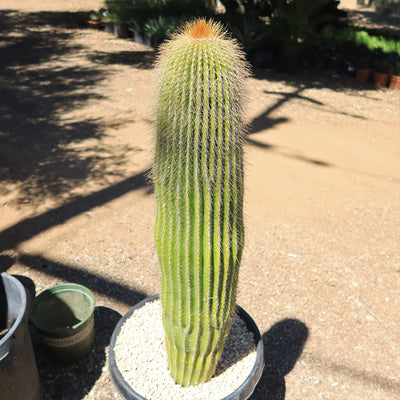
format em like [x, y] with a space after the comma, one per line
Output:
[156, 41]
[142, 38]
[19, 377]
[289, 61]
[262, 58]
[121, 30]
[241, 393]
[109, 27]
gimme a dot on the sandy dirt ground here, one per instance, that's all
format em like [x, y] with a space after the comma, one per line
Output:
[321, 266]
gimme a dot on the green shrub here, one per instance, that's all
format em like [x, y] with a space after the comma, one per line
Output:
[249, 30]
[366, 49]
[162, 26]
[138, 13]
[295, 20]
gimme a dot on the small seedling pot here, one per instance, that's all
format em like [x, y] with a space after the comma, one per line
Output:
[363, 75]
[64, 317]
[243, 392]
[19, 377]
[394, 82]
[381, 80]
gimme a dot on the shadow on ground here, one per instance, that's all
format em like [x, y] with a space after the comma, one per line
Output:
[140, 59]
[96, 283]
[299, 83]
[283, 345]
[30, 227]
[368, 17]
[37, 91]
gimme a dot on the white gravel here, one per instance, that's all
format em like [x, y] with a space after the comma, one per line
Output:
[142, 359]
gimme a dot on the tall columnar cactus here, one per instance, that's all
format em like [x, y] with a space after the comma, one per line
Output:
[198, 178]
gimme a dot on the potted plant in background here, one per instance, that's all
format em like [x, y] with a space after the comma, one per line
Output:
[119, 11]
[121, 28]
[160, 28]
[381, 68]
[140, 12]
[95, 19]
[137, 27]
[254, 35]
[362, 63]
[199, 234]
[109, 18]
[395, 76]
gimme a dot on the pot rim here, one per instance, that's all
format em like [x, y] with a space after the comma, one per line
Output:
[21, 314]
[241, 393]
[64, 287]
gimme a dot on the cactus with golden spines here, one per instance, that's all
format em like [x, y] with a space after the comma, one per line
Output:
[198, 179]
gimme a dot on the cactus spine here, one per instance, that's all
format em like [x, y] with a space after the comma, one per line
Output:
[198, 178]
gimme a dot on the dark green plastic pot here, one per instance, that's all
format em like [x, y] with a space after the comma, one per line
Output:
[64, 317]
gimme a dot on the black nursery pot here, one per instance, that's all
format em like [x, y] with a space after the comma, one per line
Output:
[241, 393]
[19, 377]
[121, 30]
[109, 27]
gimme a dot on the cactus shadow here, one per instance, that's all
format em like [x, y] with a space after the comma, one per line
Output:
[283, 345]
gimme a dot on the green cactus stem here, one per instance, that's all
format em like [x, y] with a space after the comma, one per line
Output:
[198, 178]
